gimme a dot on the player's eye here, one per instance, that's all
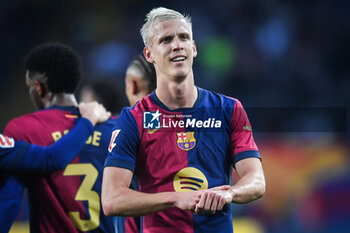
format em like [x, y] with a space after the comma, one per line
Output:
[166, 39]
[184, 36]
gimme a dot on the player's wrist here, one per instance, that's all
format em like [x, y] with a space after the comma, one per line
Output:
[87, 122]
[232, 194]
[92, 119]
[172, 199]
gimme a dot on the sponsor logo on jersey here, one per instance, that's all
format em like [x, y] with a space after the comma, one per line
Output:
[186, 141]
[189, 179]
[191, 122]
[157, 120]
[151, 120]
[114, 136]
[6, 142]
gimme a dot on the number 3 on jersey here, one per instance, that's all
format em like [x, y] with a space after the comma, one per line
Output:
[85, 193]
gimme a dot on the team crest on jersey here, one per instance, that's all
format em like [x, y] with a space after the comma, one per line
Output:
[6, 142]
[186, 141]
[189, 179]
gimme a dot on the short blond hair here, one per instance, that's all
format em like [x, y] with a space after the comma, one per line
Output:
[157, 15]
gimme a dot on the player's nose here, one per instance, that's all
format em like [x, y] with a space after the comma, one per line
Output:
[177, 43]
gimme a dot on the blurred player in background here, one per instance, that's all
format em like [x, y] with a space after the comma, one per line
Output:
[140, 80]
[181, 142]
[105, 93]
[18, 157]
[66, 200]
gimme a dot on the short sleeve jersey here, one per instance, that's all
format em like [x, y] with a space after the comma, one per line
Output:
[183, 150]
[67, 200]
[11, 188]
[9, 150]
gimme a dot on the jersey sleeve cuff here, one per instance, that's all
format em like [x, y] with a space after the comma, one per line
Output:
[244, 155]
[120, 163]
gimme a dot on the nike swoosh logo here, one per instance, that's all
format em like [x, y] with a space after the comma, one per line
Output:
[150, 131]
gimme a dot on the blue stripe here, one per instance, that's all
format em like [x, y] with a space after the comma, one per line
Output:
[244, 155]
[113, 162]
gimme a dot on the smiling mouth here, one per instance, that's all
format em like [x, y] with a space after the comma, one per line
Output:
[178, 59]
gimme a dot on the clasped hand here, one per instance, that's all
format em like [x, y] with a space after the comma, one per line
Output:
[213, 200]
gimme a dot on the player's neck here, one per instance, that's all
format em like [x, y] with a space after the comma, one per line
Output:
[61, 99]
[177, 95]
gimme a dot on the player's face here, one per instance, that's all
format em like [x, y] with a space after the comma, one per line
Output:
[172, 49]
[34, 96]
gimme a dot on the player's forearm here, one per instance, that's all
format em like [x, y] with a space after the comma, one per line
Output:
[249, 188]
[118, 199]
[127, 202]
[66, 149]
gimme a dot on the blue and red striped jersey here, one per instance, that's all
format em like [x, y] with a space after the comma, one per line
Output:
[9, 149]
[19, 157]
[183, 150]
[67, 200]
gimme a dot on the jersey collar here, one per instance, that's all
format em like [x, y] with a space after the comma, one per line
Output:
[155, 99]
[72, 109]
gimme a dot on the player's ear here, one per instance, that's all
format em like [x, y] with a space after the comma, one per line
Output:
[134, 87]
[40, 88]
[148, 55]
[194, 49]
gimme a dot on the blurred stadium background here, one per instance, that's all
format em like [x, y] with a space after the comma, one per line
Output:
[288, 62]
